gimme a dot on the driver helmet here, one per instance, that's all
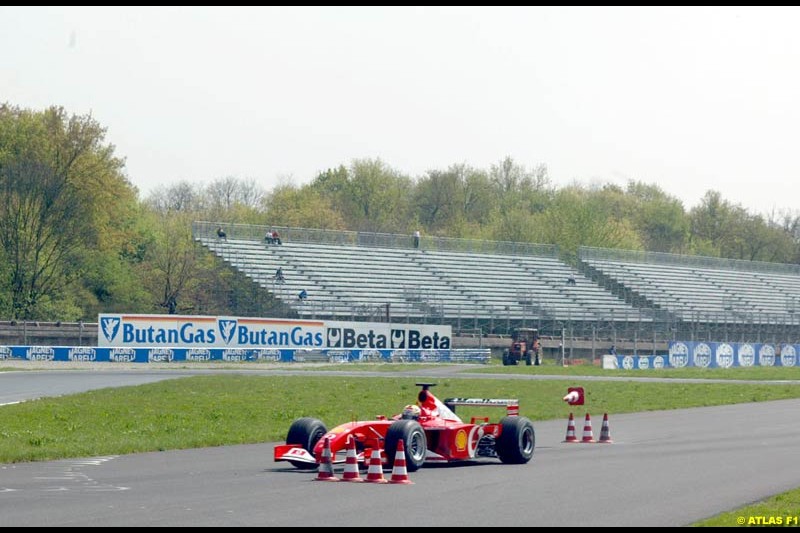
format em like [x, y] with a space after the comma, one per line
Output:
[411, 412]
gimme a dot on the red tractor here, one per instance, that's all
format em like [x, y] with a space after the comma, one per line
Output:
[524, 347]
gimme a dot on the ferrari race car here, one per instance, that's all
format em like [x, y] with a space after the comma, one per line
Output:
[430, 430]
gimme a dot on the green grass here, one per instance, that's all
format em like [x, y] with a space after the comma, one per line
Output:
[781, 510]
[218, 410]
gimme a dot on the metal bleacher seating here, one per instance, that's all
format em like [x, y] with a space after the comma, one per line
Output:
[346, 278]
[701, 289]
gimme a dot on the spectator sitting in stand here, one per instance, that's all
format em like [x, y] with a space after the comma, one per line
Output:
[571, 280]
[276, 238]
[268, 237]
[302, 296]
[221, 233]
[279, 276]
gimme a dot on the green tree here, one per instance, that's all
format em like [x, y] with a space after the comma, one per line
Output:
[305, 207]
[332, 184]
[436, 198]
[454, 202]
[170, 268]
[62, 192]
[182, 196]
[660, 219]
[515, 185]
[375, 198]
[233, 199]
[716, 225]
[788, 222]
[579, 217]
[762, 240]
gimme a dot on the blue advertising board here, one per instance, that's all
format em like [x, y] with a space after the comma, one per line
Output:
[168, 355]
[714, 355]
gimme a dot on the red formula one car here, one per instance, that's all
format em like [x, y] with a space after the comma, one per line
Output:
[430, 430]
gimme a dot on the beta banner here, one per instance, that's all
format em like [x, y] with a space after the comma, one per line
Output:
[170, 331]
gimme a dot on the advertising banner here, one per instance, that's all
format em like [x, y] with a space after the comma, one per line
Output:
[169, 331]
[268, 355]
[711, 355]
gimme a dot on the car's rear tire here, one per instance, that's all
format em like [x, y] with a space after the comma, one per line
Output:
[516, 441]
[414, 442]
[306, 432]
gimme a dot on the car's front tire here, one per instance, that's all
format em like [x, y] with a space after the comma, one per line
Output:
[516, 441]
[414, 442]
[306, 432]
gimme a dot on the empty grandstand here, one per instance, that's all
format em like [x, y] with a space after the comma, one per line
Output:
[492, 286]
[706, 297]
[470, 284]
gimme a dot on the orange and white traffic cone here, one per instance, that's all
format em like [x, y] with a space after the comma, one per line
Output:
[605, 433]
[571, 430]
[375, 471]
[399, 473]
[588, 436]
[351, 463]
[325, 471]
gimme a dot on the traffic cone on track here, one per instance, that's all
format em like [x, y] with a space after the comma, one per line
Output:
[325, 471]
[571, 430]
[351, 463]
[605, 433]
[399, 473]
[588, 436]
[375, 471]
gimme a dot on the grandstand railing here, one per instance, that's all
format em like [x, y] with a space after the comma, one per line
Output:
[663, 258]
[256, 232]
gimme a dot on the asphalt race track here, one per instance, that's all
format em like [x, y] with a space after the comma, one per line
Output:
[665, 468]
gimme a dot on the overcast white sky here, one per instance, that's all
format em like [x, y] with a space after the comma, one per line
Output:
[690, 98]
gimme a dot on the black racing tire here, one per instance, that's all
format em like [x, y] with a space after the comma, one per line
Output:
[506, 358]
[414, 441]
[306, 432]
[517, 440]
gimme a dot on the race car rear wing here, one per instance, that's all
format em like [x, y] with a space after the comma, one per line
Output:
[511, 405]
